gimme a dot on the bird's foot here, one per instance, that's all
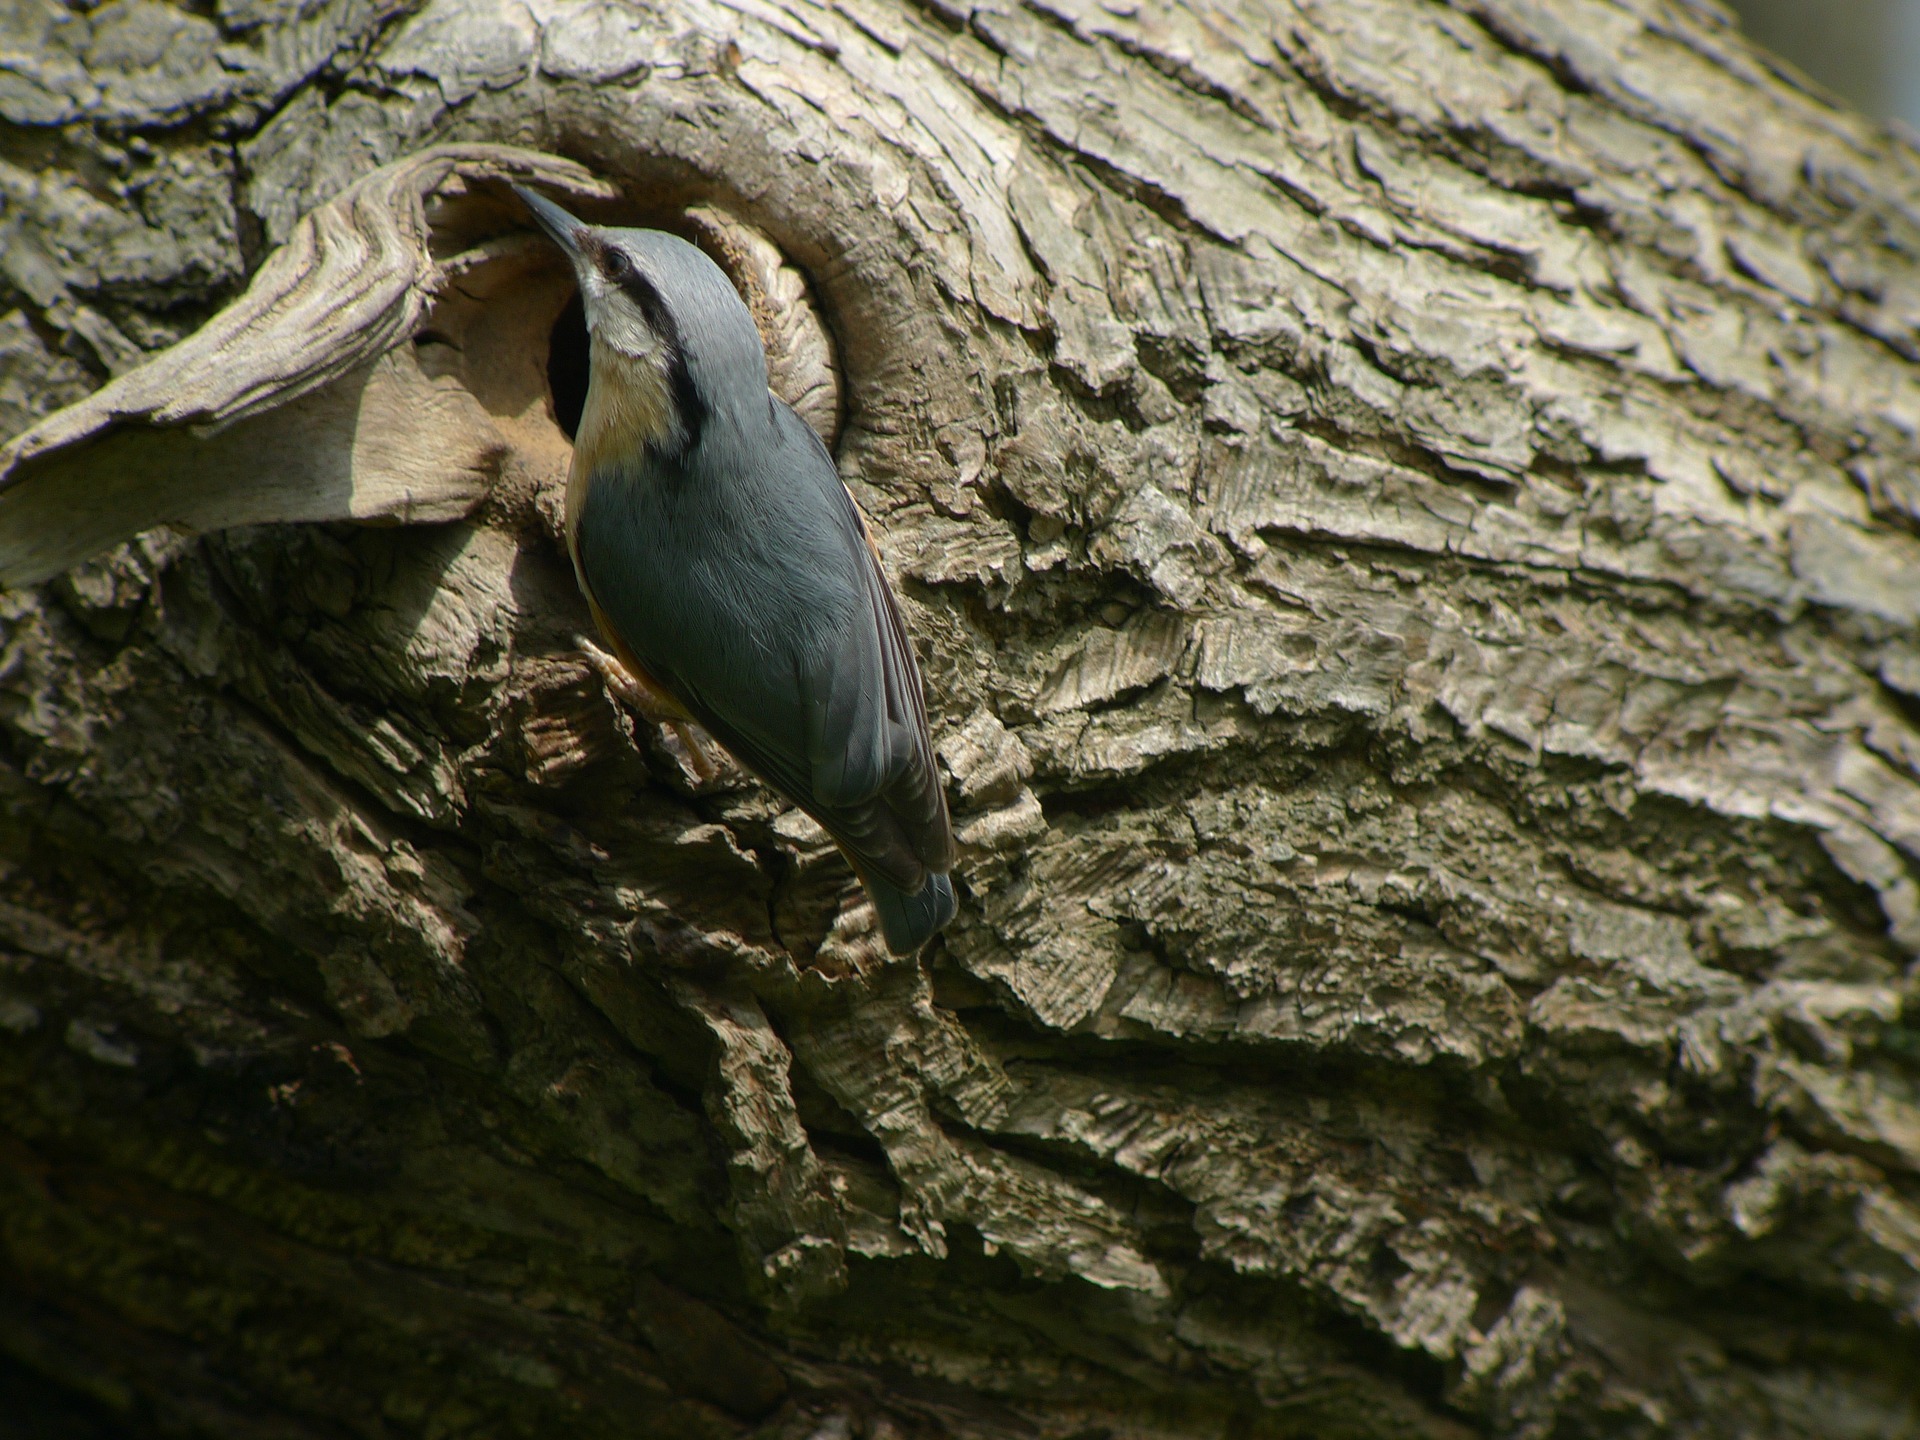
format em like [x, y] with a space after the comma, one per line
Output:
[634, 691]
[700, 761]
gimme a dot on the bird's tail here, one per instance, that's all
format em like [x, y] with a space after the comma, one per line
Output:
[909, 920]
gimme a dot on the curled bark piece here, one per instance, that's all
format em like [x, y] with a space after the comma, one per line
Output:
[292, 403]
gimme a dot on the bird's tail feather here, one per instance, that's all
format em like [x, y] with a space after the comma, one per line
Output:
[909, 920]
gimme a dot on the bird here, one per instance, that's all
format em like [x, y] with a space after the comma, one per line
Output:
[728, 568]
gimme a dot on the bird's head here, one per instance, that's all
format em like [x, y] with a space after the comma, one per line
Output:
[663, 315]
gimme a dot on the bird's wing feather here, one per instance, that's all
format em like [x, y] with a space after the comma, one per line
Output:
[912, 791]
[908, 780]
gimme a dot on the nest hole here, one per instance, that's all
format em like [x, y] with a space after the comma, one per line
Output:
[567, 355]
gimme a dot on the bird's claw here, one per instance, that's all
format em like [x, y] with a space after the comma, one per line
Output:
[696, 755]
[628, 688]
[698, 758]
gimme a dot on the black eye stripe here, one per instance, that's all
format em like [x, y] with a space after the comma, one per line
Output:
[693, 410]
[653, 309]
[643, 293]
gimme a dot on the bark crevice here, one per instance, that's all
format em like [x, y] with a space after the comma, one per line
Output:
[1408, 516]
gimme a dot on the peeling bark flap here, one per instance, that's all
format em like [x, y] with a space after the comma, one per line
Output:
[294, 402]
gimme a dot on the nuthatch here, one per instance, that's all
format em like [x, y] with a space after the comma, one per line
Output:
[727, 567]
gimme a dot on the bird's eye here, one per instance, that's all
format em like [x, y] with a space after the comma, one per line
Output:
[618, 264]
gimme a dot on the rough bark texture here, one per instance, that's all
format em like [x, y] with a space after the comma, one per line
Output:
[1410, 514]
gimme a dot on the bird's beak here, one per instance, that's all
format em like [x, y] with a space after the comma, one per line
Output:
[567, 232]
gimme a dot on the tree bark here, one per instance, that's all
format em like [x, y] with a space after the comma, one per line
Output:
[1409, 511]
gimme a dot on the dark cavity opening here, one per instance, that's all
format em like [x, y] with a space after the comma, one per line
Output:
[567, 366]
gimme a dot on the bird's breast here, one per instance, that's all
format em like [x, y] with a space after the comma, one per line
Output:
[629, 409]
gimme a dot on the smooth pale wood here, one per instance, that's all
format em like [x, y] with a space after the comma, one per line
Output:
[383, 442]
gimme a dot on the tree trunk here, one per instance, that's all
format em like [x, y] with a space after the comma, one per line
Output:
[1409, 511]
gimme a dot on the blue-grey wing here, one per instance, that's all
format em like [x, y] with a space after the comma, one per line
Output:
[870, 776]
[827, 704]
[873, 749]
